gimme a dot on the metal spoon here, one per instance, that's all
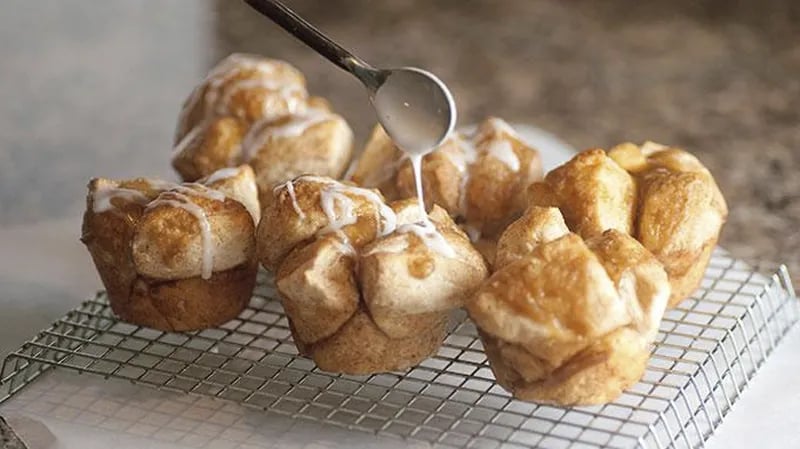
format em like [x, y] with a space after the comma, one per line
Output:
[415, 107]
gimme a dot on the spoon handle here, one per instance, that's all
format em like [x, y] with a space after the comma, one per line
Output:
[314, 38]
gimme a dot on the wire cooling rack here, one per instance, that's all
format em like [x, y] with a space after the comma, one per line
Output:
[706, 352]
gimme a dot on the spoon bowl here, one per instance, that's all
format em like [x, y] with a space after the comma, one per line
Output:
[415, 108]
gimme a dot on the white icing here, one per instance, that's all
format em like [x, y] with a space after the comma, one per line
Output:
[467, 156]
[187, 140]
[649, 148]
[101, 198]
[472, 145]
[287, 89]
[425, 229]
[265, 130]
[284, 91]
[298, 123]
[503, 151]
[219, 175]
[430, 236]
[176, 195]
[289, 186]
[502, 126]
[336, 194]
[193, 188]
[340, 210]
[328, 201]
[184, 202]
[157, 184]
[416, 166]
[232, 66]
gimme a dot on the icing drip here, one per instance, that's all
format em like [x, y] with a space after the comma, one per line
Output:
[265, 130]
[287, 93]
[298, 123]
[219, 175]
[649, 148]
[328, 201]
[416, 165]
[430, 236]
[289, 186]
[336, 194]
[504, 152]
[340, 210]
[101, 198]
[157, 184]
[235, 64]
[425, 229]
[175, 195]
[193, 188]
[184, 202]
[501, 126]
[468, 155]
[471, 145]
[187, 140]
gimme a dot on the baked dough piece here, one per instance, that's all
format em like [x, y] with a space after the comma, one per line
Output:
[479, 179]
[662, 196]
[593, 193]
[568, 321]
[365, 286]
[238, 183]
[173, 257]
[256, 111]
[680, 212]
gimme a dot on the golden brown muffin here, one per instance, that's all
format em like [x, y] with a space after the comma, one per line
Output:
[366, 287]
[479, 179]
[568, 321]
[256, 111]
[664, 197]
[173, 257]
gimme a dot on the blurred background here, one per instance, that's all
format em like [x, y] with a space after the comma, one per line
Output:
[90, 88]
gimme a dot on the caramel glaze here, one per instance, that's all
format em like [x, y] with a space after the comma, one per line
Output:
[420, 264]
[547, 296]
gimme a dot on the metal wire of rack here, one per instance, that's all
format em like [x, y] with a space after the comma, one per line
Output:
[706, 352]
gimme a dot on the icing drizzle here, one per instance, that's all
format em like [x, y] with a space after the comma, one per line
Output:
[468, 147]
[222, 173]
[504, 152]
[182, 201]
[425, 230]
[335, 196]
[293, 126]
[101, 198]
[289, 186]
[174, 195]
[340, 210]
[217, 90]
